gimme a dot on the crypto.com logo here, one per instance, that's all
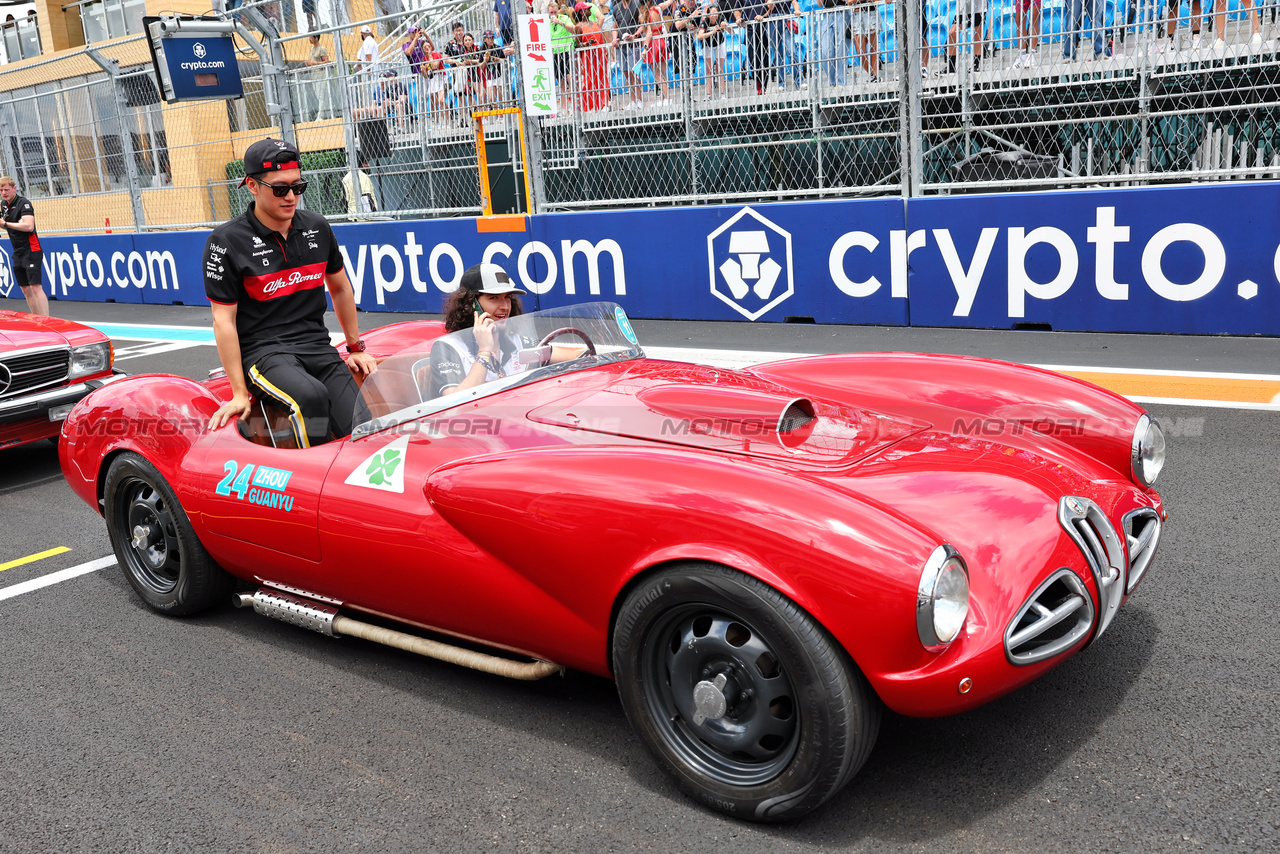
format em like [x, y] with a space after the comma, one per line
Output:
[6, 274]
[750, 264]
[199, 50]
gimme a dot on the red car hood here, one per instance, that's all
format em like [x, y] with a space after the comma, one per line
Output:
[729, 412]
[20, 331]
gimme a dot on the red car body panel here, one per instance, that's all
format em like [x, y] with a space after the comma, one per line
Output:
[524, 517]
[24, 416]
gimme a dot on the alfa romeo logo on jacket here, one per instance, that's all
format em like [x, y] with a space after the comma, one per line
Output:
[750, 260]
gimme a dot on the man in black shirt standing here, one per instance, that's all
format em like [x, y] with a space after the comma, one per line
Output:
[628, 43]
[265, 274]
[19, 219]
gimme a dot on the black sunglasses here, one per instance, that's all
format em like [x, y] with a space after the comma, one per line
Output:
[282, 190]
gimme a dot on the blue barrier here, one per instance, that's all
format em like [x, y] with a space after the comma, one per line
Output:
[1200, 259]
[1179, 259]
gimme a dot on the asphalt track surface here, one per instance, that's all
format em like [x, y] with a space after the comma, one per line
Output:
[121, 730]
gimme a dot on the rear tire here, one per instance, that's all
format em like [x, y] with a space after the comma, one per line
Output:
[155, 544]
[786, 717]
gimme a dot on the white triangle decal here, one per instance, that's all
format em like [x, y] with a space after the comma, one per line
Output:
[383, 469]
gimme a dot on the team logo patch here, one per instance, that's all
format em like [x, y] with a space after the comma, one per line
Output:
[384, 469]
[750, 263]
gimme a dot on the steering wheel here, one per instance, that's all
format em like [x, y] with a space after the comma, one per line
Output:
[568, 330]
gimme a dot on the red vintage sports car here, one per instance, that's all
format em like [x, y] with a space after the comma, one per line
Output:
[46, 365]
[759, 558]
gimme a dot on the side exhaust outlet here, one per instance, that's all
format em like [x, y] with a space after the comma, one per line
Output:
[325, 619]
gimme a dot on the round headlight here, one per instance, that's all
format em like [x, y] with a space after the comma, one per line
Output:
[942, 600]
[1148, 450]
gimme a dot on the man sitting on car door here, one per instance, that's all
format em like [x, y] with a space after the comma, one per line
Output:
[265, 272]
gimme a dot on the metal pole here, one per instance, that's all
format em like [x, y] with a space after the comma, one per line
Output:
[815, 71]
[907, 18]
[535, 188]
[687, 68]
[530, 137]
[348, 131]
[112, 68]
[279, 102]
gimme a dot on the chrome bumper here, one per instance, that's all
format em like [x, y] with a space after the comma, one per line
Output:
[35, 405]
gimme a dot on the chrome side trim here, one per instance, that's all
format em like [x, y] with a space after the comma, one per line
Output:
[1089, 527]
[1078, 605]
[1142, 529]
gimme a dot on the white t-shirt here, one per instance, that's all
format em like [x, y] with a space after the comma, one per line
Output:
[452, 359]
[367, 55]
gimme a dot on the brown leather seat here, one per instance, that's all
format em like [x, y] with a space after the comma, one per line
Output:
[267, 424]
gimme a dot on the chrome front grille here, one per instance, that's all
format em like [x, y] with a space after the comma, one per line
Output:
[1089, 527]
[1142, 532]
[1057, 616]
[24, 371]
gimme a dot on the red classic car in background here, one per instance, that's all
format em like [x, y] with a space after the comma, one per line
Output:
[46, 365]
[759, 558]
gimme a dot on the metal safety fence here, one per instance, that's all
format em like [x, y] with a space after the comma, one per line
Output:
[686, 106]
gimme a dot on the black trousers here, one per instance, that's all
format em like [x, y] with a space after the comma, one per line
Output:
[758, 51]
[317, 390]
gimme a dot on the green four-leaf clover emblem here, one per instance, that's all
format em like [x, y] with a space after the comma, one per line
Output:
[383, 466]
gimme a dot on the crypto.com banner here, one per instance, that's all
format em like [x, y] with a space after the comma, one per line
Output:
[1188, 259]
[1179, 259]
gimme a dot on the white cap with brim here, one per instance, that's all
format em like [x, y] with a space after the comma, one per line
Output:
[488, 279]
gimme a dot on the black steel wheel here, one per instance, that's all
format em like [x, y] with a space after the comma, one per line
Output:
[743, 698]
[154, 542]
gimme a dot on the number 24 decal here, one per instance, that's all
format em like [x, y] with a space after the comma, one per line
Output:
[230, 483]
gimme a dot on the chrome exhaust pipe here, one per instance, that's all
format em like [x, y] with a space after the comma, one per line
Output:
[325, 619]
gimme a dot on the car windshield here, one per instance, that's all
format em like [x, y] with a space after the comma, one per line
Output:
[443, 373]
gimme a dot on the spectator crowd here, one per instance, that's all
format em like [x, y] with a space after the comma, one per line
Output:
[619, 54]
[624, 54]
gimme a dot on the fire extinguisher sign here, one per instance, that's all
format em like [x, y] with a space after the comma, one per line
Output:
[536, 65]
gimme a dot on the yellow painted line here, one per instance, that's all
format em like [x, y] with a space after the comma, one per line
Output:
[33, 558]
[1224, 389]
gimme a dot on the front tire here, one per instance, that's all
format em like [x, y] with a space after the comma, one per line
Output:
[155, 544]
[741, 696]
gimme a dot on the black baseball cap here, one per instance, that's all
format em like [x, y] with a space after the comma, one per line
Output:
[488, 279]
[269, 155]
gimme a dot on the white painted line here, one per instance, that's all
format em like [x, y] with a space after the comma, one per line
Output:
[1215, 404]
[720, 358]
[115, 324]
[152, 349]
[1153, 372]
[56, 577]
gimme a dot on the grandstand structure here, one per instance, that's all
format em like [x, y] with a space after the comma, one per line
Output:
[932, 105]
